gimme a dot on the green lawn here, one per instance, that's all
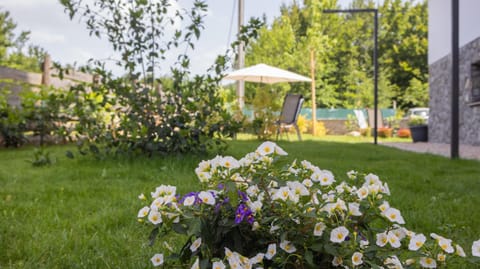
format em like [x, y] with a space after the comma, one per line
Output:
[81, 213]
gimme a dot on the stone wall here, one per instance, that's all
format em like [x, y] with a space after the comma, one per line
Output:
[439, 125]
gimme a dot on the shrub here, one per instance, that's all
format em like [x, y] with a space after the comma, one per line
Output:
[403, 133]
[416, 120]
[385, 132]
[260, 212]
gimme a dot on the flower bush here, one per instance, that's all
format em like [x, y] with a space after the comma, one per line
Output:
[262, 212]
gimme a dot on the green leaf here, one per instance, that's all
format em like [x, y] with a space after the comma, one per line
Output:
[153, 235]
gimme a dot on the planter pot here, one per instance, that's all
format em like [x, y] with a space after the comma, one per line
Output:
[419, 133]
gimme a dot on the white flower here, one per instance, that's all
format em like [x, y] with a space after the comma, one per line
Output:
[476, 248]
[385, 189]
[362, 193]
[287, 246]
[229, 162]
[196, 264]
[459, 251]
[337, 261]
[446, 245]
[393, 240]
[196, 244]
[441, 257]
[382, 239]
[255, 226]
[154, 217]
[271, 251]
[354, 209]
[394, 215]
[338, 234]
[206, 197]
[427, 262]
[253, 191]
[326, 178]
[256, 206]
[218, 265]
[267, 148]
[298, 188]
[319, 228]
[416, 242]
[164, 190]
[372, 179]
[284, 193]
[393, 262]
[364, 243]
[157, 259]
[384, 206]
[307, 183]
[357, 258]
[189, 201]
[352, 174]
[143, 212]
[400, 232]
[142, 196]
[257, 258]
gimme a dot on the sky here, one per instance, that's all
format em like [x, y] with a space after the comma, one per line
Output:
[68, 42]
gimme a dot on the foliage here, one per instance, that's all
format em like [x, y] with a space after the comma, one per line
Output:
[259, 212]
[351, 123]
[343, 48]
[385, 132]
[12, 47]
[41, 157]
[136, 113]
[416, 121]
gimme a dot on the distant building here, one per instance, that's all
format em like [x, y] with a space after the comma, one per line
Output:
[440, 69]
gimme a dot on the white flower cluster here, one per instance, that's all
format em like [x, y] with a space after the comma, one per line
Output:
[303, 197]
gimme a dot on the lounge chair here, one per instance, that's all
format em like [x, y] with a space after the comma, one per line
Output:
[292, 105]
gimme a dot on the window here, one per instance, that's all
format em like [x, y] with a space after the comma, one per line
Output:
[475, 74]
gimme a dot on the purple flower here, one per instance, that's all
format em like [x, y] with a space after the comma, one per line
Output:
[243, 212]
[243, 196]
[221, 186]
[194, 194]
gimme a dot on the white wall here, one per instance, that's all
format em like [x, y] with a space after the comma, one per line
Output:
[439, 26]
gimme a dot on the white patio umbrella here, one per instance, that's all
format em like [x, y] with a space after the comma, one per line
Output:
[265, 74]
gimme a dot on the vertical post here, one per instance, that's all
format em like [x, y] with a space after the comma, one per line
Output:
[47, 63]
[314, 95]
[375, 70]
[455, 81]
[241, 57]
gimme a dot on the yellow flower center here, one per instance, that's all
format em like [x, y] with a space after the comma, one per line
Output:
[356, 258]
[419, 244]
[393, 216]
[340, 235]
[267, 149]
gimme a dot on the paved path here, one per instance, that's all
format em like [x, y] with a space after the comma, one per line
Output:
[466, 152]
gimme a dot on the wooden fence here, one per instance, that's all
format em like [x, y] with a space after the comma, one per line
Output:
[16, 81]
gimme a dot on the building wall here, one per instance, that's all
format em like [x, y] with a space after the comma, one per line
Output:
[439, 124]
[439, 24]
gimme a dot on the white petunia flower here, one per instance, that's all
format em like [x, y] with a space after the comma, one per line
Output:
[441, 257]
[319, 228]
[189, 201]
[476, 248]
[196, 264]
[354, 209]
[362, 193]
[459, 251]
[157, 259]
[338, 234]
[287, 246]
[218, 265]
[257, 258]
[337, 261]
[142, 196]
[284, 193]
[143, 212]
[268, 147]
[307, 183]
[298, 188]
[154, 217]
[393, 263]
[372, 179]
[394, 215]
[357, 258]
[206, 197]
[326, 178]
[427, 262]
[384, 206]
[446, 245]
[352, 174]
[196, 244]
[382, 239]
[229, 162]
[271, 251]
[393, 240]
[416, 242]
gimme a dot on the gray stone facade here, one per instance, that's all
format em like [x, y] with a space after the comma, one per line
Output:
[439, 124]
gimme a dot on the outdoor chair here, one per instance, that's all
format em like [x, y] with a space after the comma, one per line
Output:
[292, 104]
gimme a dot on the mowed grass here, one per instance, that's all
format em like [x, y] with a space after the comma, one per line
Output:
[81, 213]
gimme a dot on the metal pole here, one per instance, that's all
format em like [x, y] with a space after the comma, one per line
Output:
[455, 81]
[241, 57]
[375, 82]
[375, 61]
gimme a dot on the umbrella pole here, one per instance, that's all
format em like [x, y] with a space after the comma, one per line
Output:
[314, 99]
